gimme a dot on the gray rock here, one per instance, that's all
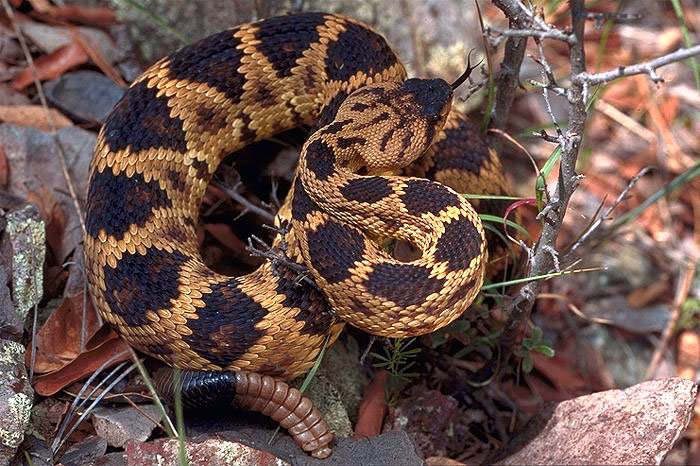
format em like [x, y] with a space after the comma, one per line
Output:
[616, 311]
[25, 243]
[337, 387]
[626, 361]
[119, 425]
[85, 94]
[258, 432]
[112, 459]
[9, 96]
[37, 448]
[50, 38]
[638, 425]
[35, 159]
[15, 399]
[84, 452]
[11, 321]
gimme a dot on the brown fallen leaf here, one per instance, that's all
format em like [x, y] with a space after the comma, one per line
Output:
[58, 342]
[373, 408]
[41, 6]
[34, 116]
[88, 15]
[51, 66]
[86, 363]
[688, 355]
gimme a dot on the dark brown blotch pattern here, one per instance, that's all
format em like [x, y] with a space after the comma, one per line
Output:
[333, 249]
[459, 244]
[115, 202]
[142, 283]
[388, 281]
[302, 204]
[320, 159]
[285, 38]
[142, 121]
[357, 49]
[424, 196]
[214, 61]
[225, 327]
[367, 189]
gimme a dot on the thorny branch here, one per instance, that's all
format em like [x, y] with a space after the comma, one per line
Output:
[648, 68]
[543, 257]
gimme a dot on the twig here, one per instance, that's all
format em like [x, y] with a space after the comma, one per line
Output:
[551, 33]
[649, 68]
[681, 295]
[233, 193]
[543, 259]
[594, 230]
[507, 80]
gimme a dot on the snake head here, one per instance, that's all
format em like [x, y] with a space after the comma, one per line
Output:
[432, 98]
[396, 121]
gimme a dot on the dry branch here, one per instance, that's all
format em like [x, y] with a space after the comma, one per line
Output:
[648, 68]
[544, 258]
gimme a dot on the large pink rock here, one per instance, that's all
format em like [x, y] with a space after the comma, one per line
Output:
[638, 425]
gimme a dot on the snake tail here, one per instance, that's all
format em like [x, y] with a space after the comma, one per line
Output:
[253, 392]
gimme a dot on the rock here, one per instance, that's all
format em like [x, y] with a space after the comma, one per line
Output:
[112, 459]
[84, 452]
[625, 361]
[434, 421]
[25, 243]
[50, 38]
[209, 451]
[38, 450]
[46, 416]
[638, 425]
[615, 310]
[36, 168]
[258, 432]
[9, 96]
[337, 387]
[86, 95]
[119, 425]
[11, 321]
[15, 399]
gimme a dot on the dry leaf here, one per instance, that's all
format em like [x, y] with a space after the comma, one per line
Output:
[91, 16]
[52, 66]
[58, 342]
[688, 355]
[34, 116]
[372, 410]
[84, 364]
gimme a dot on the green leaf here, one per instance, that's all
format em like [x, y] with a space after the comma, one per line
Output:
[545, 276]
[544, 349]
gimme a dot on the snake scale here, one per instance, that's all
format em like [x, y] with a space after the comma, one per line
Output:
[363, 179]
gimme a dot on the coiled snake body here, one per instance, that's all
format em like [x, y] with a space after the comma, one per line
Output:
[160, 146]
